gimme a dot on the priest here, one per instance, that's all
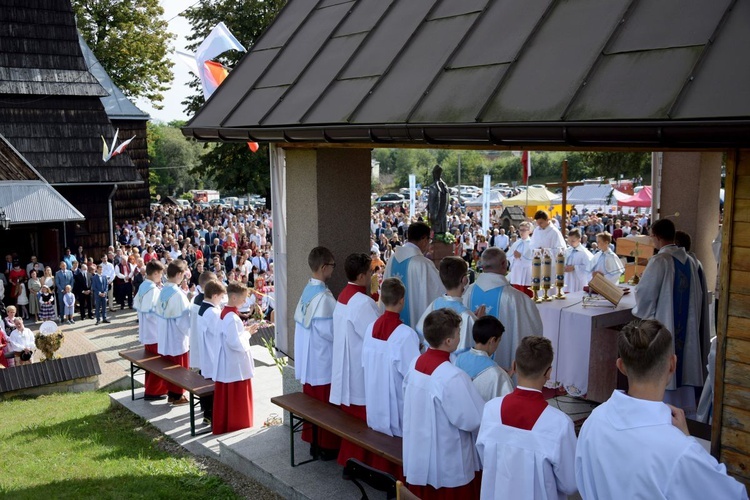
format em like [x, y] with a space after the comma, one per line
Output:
[521, 254]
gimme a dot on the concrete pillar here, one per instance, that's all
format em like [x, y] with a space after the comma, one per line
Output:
[690, 184]
[328, 204]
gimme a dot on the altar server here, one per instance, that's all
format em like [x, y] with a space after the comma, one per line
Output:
[195, 307]
[490, 380]
[670, 292]
[521, 254]
[577, 262]
[453, 274]
[605, 261]
[145, 301]
[416, 272]
[636, 446]
[442, 412]
[313, 342]
[389, 348]
[518, 314]
[209, 335]
[546, 234]
[354, 312]
[233, 396]
[173, 325]
[527, 447]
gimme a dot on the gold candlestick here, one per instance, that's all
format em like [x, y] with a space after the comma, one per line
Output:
[560, 274]
[547, 276]
[536, 271]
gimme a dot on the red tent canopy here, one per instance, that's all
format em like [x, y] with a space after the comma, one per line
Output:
[641, 199]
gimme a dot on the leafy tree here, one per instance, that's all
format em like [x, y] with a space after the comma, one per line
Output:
[630, 165]
[172, 158]
[131, 42]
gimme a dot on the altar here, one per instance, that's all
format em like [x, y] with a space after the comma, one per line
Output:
[585, 343]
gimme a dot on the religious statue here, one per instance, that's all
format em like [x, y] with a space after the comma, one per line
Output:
[438, 202]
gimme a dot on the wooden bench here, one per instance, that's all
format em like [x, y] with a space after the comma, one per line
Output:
[197, 386]
[306, 409]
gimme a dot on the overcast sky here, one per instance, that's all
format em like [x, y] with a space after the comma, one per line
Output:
[178, 90]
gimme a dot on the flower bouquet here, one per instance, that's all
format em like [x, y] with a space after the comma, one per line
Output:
[446, 238]
[49, 339]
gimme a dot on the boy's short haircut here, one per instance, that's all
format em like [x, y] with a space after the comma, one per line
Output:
[356, 264]
[534, 356]
[605, 236]
[644, 347]
[417, 231]
[205, 277]
[213, 288]
[176, 267]
[392, 291]
[236, 288]
[663, 229]
[154, 266]
[452, 271]
[541, 214]
[683, 240]
[574, 233]
[486, 328]
[318, 257]
[439, 325]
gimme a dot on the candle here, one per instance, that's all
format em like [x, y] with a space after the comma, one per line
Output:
[536, 270]
[560, 270]
[547, 271]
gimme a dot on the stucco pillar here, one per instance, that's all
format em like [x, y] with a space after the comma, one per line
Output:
[690, 184]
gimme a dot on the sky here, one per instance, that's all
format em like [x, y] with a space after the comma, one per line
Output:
[179, 89]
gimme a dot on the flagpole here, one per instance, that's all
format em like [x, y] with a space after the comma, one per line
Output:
[525, 171]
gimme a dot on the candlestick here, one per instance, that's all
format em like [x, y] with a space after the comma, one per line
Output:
[546, 274]
[560, 274]
[536, 271]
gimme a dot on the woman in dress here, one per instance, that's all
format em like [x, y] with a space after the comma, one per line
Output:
[48, 279]
[35, 286]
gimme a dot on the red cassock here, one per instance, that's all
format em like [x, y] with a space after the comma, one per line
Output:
[525, 289]
[465, 492]
[182, 360]
[233, 406]
[154, 386]
[326, 440]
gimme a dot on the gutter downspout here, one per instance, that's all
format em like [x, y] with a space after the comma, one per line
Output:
[111, 223]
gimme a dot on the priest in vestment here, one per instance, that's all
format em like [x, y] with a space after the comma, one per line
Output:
[418, 273]
[670, 292]
[354, 312]
[513, 308]
[577, 262]
[145, 301]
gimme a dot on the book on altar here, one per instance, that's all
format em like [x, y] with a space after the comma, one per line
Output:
[606, 289]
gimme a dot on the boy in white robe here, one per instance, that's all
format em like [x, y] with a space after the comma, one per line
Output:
[521, 254]
[490, 380]
[388, 350]
[577, 263]
[416, 272]
[173, 325]
[442, 412]
[527, 447]
[195, 306]
[145, 301]
[546, 234]
[606, 262]
[313, 344]
[209, 333]
[453, 274]
[636, 446]
[354, 312]
[518, 314]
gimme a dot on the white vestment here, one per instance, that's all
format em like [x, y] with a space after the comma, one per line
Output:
[549, 237]
[527, 464]
[173, 310]
[234, 363]
[628, 448]
[653, 300]
[195, 339]
[350, 322]
[145, 303]
[490, 380]
[515, 310]
[420, 277]
[467, 320]
[580, 258]
[385, 365]
[442, 413]
[607, 263]
[210, 326]
[520, 268]
[313, 334]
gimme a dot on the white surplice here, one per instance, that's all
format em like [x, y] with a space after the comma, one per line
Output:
[195, 339]
[234, 362]
[313, 336]
[653, 300]
[549, 237]
[520, 268]
[350, 322]
[210, 326]
[173, 325]
[468, 318]
[580, 258]
[385, 364]
[515, 310]
[607, 263]
[422, 281]
[442, 413]
[628, 448]
[527, 464]
[491, 381]
[145, 303]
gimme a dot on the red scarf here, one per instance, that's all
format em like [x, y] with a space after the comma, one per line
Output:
[522, 408]
[349, 291]
[227, 310]
[430, 360]
[385, 325]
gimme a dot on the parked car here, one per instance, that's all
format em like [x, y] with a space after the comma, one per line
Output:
[389, 199]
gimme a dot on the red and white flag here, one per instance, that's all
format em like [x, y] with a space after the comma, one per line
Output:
[526, 166]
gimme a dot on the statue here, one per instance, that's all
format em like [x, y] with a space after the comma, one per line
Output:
[438, 202]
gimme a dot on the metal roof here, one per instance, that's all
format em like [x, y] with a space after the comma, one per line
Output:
[117, 106]
[31, 202]
[648, 73]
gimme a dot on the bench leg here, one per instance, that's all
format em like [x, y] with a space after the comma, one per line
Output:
[295, 427]
[132, 382]
[192, 415]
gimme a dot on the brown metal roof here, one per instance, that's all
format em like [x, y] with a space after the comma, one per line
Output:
[650, 73]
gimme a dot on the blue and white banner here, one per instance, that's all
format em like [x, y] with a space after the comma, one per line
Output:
[412, 195]
[486, 191]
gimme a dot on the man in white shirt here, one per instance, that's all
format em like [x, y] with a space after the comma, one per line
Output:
[546, 235]
[108, 271]
[636, 446]
[501, 240]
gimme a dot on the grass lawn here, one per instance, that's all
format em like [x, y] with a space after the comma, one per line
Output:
[77, 446]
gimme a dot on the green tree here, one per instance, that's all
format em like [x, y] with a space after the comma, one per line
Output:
[173, 156]
[131, 42]
[612, 165]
